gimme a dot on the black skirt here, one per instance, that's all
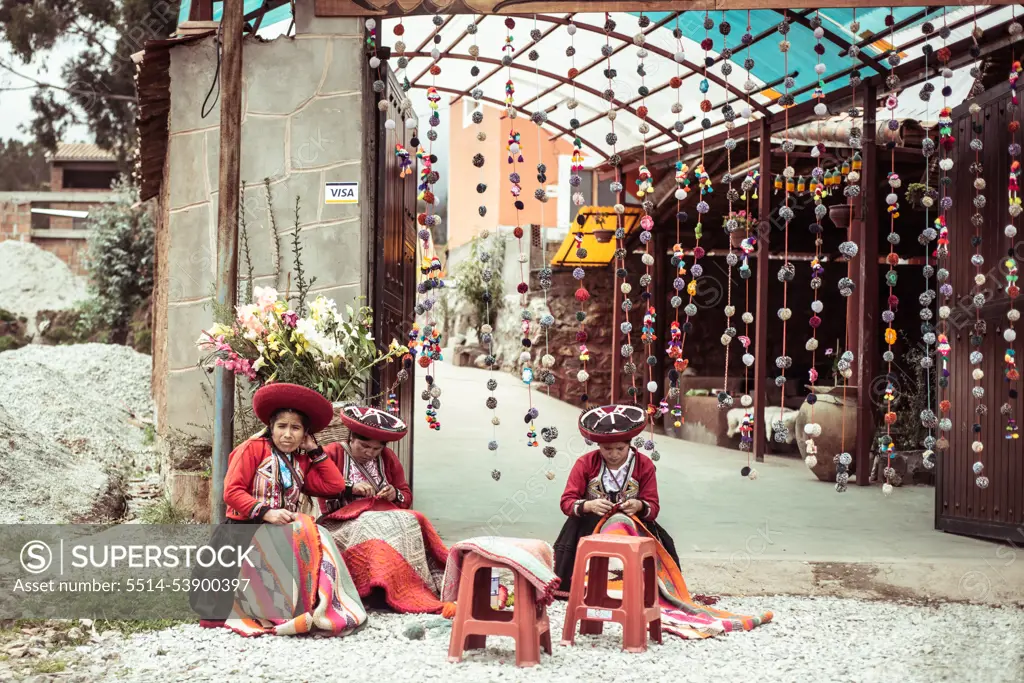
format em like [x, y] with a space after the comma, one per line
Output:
[576, 528]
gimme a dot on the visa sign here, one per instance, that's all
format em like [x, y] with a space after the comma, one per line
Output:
[341, 193]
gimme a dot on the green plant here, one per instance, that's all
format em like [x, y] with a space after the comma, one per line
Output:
[245, 295]
[120, 260]
[6, 316]
[9, 343]
[476, 279]
[911, 397]
[49, 666]
[915, 193]
[164, 512]
[301, 282]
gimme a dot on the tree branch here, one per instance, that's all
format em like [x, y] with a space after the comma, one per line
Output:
[72, 91]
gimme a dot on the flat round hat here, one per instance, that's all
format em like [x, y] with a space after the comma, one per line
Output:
[610, 424]
[373, 423]
[279, 396]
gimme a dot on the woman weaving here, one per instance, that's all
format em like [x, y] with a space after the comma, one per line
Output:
[266, 475]
[614, 490]
[387, 546]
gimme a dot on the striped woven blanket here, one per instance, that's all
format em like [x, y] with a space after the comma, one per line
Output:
[298, 584]
[680, 615]
[532, 558]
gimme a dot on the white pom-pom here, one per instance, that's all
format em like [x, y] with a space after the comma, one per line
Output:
[524, 357]
[371, 23]
[571, 29]
[374, 62]
[979, 279]
[977, 446]
[753, 473]
[652, 386]
[746, 113]
[1013, 314]
[746, 400]
[812, 429]
[977, 374]
[821, 110]
[819, 33]
[1010, 231]
[819, 68]
[582, 376]
[1009, 334]
[748, 360]
[811, 462]
[817, 306]
[680, 57]
[411, 123]
[389, 124]
[887, 489]
[681, 194]
[548, 360]
[944, 312]
[435, 54]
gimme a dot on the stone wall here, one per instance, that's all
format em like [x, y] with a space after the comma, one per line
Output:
[302, 126]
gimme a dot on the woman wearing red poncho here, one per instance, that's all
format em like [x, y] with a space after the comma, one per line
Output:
[386, 545]
[614, 478]
[266, 476]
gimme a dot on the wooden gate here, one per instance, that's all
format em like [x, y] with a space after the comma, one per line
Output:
[960, 506]
[392, 266]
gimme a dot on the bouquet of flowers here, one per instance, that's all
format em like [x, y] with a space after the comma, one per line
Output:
[267, 341]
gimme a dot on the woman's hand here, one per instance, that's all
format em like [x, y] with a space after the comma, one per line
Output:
[599, 506]
[309, 443]
[362, 489]
[388, 493]
[633, 506]
[279, 517]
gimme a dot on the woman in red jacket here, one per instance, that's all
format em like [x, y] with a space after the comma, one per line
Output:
[386, 545]
[266, 475]
[614, 478]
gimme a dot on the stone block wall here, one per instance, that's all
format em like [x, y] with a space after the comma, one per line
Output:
[302, 126]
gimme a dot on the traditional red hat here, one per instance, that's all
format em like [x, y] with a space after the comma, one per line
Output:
[611, 424]
[282, 396]
[372, 423]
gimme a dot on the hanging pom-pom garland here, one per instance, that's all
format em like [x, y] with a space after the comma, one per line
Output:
[947, 143]
[749, 185]
[725, 399]
[581, 295]
[1011, 374]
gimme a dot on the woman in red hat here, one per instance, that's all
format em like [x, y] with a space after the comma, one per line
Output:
[284, 593]
[388, 546]
[614, 478]
[267, 474]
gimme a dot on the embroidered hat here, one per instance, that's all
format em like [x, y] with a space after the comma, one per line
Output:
[610, 424]
[273, 397]
[372, 423]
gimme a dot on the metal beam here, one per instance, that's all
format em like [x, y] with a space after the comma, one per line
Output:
[232, 23]
[838, 40]
[545, 74]
[603, 60]
[523, 49]
[501, 104]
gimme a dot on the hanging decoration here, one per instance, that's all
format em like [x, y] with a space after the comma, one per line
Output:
[645, 191]
[575, 181]
[947, 144]
[725, 399]
[886, 448]
[928, 417]
[786, 273]
[749, 186]
[1011, 374]
[674, 344]
[977, 337]
[819, 190]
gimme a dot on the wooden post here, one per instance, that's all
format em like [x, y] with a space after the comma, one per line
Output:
[761, 316]
[867, 292]
[227, 235]
[201, 10]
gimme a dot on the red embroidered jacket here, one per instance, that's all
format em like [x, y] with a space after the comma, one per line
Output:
[586, 483]
[253, 486]
[391, 472]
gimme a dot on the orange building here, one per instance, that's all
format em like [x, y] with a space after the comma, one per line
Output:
[464, 220]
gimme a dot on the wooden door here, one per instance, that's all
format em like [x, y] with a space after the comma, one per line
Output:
[393, 256]
[960, 506]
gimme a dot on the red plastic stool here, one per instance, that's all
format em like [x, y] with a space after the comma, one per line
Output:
[474, 619]
[637, 611]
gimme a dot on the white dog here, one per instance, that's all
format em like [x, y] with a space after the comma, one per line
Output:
[735, 417]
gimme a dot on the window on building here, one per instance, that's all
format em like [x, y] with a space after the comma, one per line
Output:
[88, 180]
[40, 221]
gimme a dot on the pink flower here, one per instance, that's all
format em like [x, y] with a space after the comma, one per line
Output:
[290, 318]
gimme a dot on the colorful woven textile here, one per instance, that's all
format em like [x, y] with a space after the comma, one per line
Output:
[298, 584]
[532, 558]
[396, 551]
[680, 615]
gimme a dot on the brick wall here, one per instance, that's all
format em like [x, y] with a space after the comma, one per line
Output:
[70, 251]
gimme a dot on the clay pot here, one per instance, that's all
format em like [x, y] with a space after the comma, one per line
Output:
[828, 412]
[842, 214]
[603, 236]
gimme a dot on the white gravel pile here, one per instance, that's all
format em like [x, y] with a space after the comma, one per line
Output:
[33, 279]
[812, 639]
[66, 413]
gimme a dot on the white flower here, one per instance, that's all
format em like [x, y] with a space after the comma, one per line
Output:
[258, 365]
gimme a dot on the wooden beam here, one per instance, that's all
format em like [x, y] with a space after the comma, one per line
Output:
[761, 315]
[867, 295]
[232, 24]
[501, 104]
[200, 10]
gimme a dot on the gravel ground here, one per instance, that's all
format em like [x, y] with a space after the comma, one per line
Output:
[64, 418]
[812, 639]
[36, 280]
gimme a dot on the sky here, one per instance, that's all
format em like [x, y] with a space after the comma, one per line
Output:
[16, 105]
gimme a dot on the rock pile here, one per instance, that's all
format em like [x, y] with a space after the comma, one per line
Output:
[35, 280]
[68, 414]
